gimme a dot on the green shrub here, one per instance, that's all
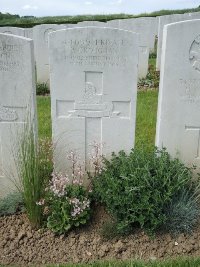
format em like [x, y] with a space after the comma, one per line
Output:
[135, 188]
[182, 213]
[11, 204]
[42, 89]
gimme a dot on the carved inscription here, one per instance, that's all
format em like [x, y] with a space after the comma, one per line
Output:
[12, 114]
[98, 52]
[194, 53]
[191, 91]
[7, 114]
[195, 128]
[10, 57]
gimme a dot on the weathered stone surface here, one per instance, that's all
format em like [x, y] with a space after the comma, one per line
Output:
[91, 23]
[12, 30]
[29, 33]
[146, 28]
[17, 101]
[164, 20]
[93, 74]
[40, 36]
[178, 122]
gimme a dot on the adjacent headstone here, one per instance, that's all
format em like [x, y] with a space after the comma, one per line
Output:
[29, 33]
[143, 56]
[143, 59]
[17, 101]
[178, 122]
[93, 74]
[164, 20]
[12, 30]
[40, 37]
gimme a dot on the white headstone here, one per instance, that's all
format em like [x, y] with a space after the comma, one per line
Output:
[145, 26]
[143, 59]
[91, 23]
[133, 25]
[29, 33]
[17, 101]
[93, 74]
[12, 30]
[40, 37]
[164, 20]
[71, 25]
[178, 122]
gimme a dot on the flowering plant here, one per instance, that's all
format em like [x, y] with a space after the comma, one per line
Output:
[68, 201]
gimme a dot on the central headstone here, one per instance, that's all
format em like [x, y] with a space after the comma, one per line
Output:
[93, 75]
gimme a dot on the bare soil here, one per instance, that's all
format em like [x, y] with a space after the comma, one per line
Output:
[21, 245]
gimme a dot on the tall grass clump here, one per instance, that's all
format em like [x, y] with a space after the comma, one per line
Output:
[182, 213]
[34, 167]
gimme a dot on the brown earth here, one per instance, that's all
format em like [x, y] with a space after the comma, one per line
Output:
[21, 245]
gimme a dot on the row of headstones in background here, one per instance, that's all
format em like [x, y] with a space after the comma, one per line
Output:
[178, 121]
[17, 102]
[168, 19]
[146, 27]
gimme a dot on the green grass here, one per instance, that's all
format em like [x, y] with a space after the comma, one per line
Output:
[189, 262]
[145, 121]
[152, 61]
[146, 118]
[44, 116]
[179, 262]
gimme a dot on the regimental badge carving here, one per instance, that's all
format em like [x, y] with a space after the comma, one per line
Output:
[7, 114]
[194, 53]
[92, 105]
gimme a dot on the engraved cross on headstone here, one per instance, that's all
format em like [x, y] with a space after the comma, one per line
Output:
[195, 128]
[93, 108]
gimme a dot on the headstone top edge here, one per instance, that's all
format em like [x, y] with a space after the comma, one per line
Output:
[181, 23]
[16, 37]
[92, 27]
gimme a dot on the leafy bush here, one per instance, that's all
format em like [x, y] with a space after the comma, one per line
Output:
[11, 204]
[42, 89]
[182, 213]
[135, 188]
